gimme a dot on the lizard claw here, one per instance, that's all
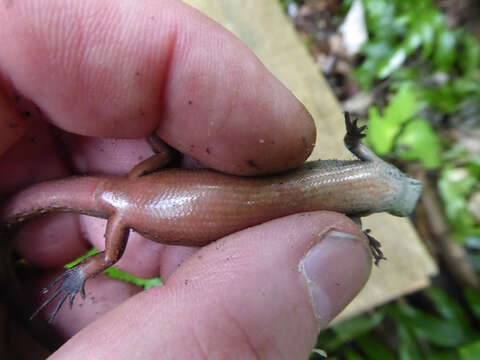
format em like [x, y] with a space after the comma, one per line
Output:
[353, 130]
[72, 283]
[374, 247]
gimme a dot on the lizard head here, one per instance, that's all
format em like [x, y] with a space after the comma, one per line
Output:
[407, 193]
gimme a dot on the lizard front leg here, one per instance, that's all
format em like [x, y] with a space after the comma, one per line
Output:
[163, 156]
[72, 281]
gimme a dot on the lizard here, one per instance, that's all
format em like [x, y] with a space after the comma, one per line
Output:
[185, 207]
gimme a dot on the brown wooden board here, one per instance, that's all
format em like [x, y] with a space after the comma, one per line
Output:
[263, 27]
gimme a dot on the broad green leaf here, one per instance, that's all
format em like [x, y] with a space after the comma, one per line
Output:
[470, 351]
[382, 130]
[380, 133]
[418, 141]
[402, 106]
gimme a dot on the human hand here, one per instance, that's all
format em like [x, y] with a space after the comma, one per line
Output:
[103, 70]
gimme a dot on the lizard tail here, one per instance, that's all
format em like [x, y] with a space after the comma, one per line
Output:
[70, 194]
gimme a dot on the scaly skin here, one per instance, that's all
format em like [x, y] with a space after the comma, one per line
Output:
[199, 206]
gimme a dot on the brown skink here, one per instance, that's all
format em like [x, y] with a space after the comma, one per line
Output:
[187, 207]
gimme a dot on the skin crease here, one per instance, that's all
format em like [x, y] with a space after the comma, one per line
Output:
[119, 69]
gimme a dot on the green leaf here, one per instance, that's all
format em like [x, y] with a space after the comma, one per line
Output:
[396, 59]
[474, 166]
[375, 52]
[350, 354]
[470, 55]
[402, 106]
[349, 330]
[321, 353]
[374, 349]
[118, 274]
[418, 141]
[90, 252]
[408, 348]
[455, 185]
[431, 20]
[473, 299]
[444, 355]
[445, 54]
[381, 20]
[448, 307]
[431, 328]
[380, 133]
[392, 63]
[470, 351]
[383, 130]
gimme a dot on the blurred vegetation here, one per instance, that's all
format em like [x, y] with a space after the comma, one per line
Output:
[433, 72]
[445, 332]
[429, 76]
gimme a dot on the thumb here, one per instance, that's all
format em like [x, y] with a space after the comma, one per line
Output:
[263, 292]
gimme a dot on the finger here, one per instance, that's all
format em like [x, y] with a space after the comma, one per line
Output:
[51, 241]
[173, 257]
[15, 342]
[122, 69]
[91, 155]
[263, 292]
[33, 158]
[12, 127]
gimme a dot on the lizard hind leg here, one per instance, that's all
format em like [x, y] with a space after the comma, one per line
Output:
[72, 281]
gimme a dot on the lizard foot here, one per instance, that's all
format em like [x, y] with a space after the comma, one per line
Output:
[354, 133]
[72, 283]
[375, 247]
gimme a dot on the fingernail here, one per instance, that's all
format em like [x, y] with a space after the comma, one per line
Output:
[335, 269]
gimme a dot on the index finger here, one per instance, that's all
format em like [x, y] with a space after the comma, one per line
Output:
[124, 69]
